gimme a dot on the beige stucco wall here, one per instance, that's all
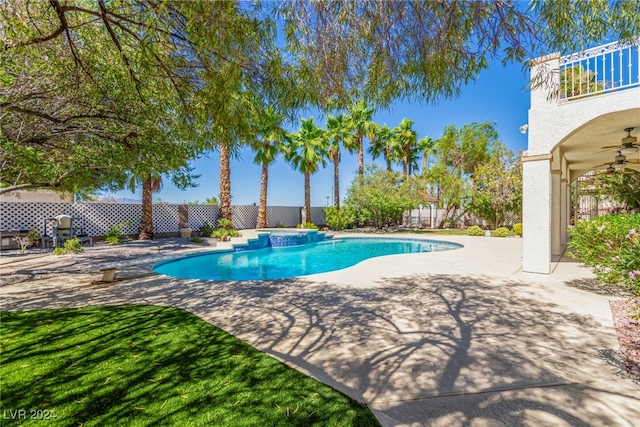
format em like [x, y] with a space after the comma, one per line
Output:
[47, 196]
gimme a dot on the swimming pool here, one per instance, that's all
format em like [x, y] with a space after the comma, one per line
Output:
[292, 261]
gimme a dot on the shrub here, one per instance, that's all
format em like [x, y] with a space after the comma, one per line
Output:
[339, 218]
[517, 228]
[224, 230]
[474, 230]
[207, 230]
[501, 232]
[114, 235]
[34, 237]
[23, 241]
[71, 245]
[280, 225]
[309, 225]
[196, 240]
[610, 246]
[380, 197]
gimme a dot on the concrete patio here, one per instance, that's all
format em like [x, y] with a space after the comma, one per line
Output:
[452, 338]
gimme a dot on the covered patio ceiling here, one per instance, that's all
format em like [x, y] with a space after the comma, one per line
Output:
[583, 149]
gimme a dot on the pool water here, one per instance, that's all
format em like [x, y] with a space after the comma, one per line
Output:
[279, 263]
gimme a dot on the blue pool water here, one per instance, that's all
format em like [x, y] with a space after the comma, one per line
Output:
[279, 263]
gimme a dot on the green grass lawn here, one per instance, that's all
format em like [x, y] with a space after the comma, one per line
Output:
[446, 231]
[438, 231]
[146, 366]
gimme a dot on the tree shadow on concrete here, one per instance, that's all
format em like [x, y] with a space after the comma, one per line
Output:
[430, 349]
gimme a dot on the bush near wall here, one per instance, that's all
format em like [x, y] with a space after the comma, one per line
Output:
[517, 228]
[475, 230]
[610, 246]
[501, 232]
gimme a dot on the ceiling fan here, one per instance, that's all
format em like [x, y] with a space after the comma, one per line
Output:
[614, 169]
[629, 144]
[618, 165]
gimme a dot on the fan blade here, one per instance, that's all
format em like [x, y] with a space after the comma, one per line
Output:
[603, 165]
[635, 162]
[603, 149]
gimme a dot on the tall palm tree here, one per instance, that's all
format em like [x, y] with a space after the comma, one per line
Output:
[383, 145]
[407, 140]
[306, 152]
[267, 145]
[225, 179]
[151, 183]
[427, 146]
[337, 133]
[359, 117]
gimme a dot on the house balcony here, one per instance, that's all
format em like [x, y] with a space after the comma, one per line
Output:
[581, 105]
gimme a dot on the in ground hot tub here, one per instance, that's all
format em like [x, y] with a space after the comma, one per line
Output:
[294, 238]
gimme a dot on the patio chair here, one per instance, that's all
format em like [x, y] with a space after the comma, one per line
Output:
[62, 230]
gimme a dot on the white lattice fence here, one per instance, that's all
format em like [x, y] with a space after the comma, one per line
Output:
[166, 218]
[201, 214]
[96, 218]
[456, 218]
[23, 215]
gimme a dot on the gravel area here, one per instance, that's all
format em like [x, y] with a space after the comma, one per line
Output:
[38, 263]
[628, 331]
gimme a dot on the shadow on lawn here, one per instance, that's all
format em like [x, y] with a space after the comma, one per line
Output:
[401, 347]
[131, 365]
[429, 349]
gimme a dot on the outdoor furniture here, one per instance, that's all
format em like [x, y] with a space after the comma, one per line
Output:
[62, 229]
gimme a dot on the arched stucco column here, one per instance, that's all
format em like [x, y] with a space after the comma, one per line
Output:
[566, 211]
[556, 212]
[536, 214]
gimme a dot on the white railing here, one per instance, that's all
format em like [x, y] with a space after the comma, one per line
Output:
[607, 68]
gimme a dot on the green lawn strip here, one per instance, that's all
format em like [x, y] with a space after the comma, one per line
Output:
[147, 365]
[445, 231]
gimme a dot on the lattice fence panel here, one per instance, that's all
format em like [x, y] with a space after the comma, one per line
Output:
[166, 218]
[96, 218]
[287, 216]
[100, 217]
[201, 214]
[24, 215]
[244, 217]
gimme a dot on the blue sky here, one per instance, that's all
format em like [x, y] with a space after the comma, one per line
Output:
[498, 96]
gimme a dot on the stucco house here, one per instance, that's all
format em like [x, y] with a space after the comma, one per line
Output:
[584, 115]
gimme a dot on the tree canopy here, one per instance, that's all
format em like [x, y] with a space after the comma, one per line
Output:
[426, 50]
[95, 92]
[92, 93]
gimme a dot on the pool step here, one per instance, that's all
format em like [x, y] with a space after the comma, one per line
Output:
[279, 238]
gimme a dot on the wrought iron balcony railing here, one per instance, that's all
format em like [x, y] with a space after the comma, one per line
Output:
[607, 68]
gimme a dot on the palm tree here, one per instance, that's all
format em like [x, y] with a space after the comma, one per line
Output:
[151, 183]
[337, 133]
[427, 146]
[225, 180]
[306, 152]
[383, 145]
[359, 118]
[270, 136]
[406, 140]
